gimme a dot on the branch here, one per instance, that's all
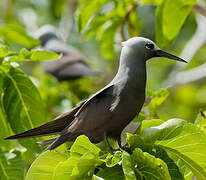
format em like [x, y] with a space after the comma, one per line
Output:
[196, 42]
[126, 18]
[197, 8]
[191, 76]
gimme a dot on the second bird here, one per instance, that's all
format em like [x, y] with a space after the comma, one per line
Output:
[106, 113]
[71, 65]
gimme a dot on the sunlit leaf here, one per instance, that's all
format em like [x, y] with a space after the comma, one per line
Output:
[3, 51]
[128, 166]
[113, 160]
[17, 34]
[44, 166]
[158, 98]
[169, 22]
[33, 55]
[82, 145]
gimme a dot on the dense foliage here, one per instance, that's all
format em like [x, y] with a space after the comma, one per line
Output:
[170, 139]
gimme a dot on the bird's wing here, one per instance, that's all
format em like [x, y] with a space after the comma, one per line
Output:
[96, 95]
[88, 117]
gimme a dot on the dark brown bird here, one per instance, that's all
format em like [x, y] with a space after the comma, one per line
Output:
[71, 65]
[106, 113]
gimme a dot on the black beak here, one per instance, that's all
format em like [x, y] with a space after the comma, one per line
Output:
[160, 53]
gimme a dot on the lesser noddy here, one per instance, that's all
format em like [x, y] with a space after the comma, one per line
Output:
[71, 65]
[106, 113]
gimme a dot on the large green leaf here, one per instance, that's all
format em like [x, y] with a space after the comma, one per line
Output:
[17, 34]
[12, 167]
[171, 15]
[22, 103]
[45, 165]
[136, 141]
[148, 167]
[78, 164]
[183, 140]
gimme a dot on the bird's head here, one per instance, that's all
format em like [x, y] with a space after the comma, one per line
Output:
[147, 49]
[46, 33]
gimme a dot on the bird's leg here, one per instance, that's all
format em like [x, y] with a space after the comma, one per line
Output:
[110, 147]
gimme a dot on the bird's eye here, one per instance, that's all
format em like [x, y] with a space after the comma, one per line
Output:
[149, 46]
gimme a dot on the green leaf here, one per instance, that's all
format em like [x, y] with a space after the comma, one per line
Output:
[77, 168]
[22, 103]
[149, 167]
[159, 152]
[110, 173]
[3, 51]
[17, 34]
[158, 98]
[113, 160]
[45, 165]
[198, 171]
[82, 145]
[11, 165]
[189, 145]
[33, 55]
[127, 166]
[169, 22]
[155, 2]
[85, 11]
[161, 132]
[80, 164]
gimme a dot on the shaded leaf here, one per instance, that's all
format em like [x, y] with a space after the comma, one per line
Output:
[22, 103]
[111, 173]
[149, 167]
[12, 166]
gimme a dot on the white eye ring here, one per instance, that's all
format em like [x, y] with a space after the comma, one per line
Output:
[149, 46]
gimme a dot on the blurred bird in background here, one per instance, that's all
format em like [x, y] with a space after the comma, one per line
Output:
[71, 65]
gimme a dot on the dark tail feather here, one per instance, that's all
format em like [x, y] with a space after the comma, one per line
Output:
[52, 127]
[62, 139]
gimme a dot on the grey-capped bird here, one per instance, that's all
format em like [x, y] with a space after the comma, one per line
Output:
[71, 65]
[106, 113]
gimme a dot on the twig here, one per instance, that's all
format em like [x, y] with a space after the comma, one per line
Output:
[202, 113]
[126, 18]
[199, 9]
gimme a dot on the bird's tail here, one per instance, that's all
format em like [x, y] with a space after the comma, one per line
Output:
[62, 139]
[52, 127]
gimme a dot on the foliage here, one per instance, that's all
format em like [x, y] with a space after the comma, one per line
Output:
[159, 149]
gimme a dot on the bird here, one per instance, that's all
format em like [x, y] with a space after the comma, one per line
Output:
[106, 113]
[71, 65]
